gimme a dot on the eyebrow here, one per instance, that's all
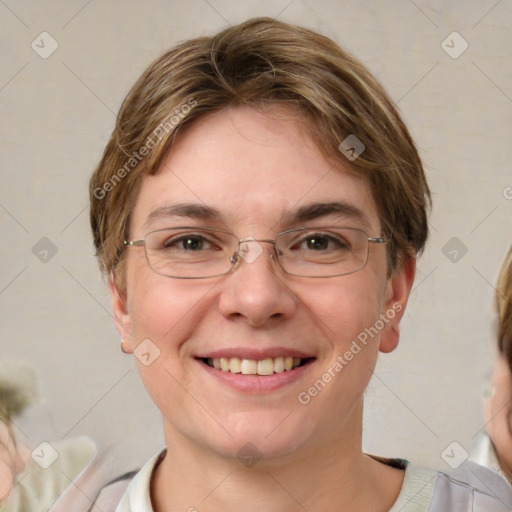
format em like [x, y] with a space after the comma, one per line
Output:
[312, 211]
[190, 210]
[307, 212]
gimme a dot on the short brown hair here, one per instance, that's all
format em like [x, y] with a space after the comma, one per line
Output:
[262, 61]
[504, 307]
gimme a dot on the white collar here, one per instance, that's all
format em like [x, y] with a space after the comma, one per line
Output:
[137, 497]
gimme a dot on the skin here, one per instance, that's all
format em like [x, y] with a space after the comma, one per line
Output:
[252, 167]
[13, 457]
[498, 409]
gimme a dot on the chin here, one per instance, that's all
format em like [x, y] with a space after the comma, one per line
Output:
[263, 438]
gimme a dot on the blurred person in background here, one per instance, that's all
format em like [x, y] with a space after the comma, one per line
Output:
[494, 448]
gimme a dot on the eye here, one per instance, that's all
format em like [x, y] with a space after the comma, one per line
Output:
[322, 242]
[187, 242]
[317, 242]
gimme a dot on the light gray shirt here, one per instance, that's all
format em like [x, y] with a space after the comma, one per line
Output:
[470, 488]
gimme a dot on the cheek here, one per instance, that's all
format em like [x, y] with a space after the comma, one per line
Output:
[162, 309]
[166, 312]
[346, 310]
[347, 306]
[497, 414]
[499, 431]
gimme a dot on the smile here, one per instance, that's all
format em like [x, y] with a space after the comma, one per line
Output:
[263, 367]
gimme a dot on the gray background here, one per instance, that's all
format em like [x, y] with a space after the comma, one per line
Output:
[56, 116]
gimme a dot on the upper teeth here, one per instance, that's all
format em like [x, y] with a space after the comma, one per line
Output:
[254, 366]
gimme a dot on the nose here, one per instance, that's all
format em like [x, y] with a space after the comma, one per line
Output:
[256, 289]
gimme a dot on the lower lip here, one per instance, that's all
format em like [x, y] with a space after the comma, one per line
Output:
[257, 384]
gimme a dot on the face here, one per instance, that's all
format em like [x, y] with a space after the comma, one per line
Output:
[254, 172]
[498, 415]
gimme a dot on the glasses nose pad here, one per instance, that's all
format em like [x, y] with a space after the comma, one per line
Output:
[249, 250]
[234, 258]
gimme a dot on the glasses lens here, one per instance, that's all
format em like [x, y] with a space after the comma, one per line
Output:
[322, 251]
[189, 252]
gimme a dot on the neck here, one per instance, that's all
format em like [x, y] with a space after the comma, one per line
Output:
[333, 471]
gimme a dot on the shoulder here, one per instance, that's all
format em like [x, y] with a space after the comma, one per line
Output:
[481, 488]
[469, 488]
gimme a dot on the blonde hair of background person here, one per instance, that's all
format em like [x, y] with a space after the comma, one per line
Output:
[498, 408]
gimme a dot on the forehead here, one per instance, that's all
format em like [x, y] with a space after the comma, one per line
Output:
[251, 168]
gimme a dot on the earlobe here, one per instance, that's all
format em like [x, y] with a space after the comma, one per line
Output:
[121, 315]
[398, 289]
[124, 347]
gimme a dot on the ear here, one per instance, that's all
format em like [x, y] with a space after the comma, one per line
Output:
[397, 293]
[121, 315]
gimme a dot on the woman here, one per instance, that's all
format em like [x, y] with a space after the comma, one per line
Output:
[495, 449]
[258, 211]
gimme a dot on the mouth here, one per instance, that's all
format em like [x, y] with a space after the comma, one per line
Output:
[261, 367]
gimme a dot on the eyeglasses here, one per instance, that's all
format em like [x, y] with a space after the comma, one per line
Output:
[198, 253]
